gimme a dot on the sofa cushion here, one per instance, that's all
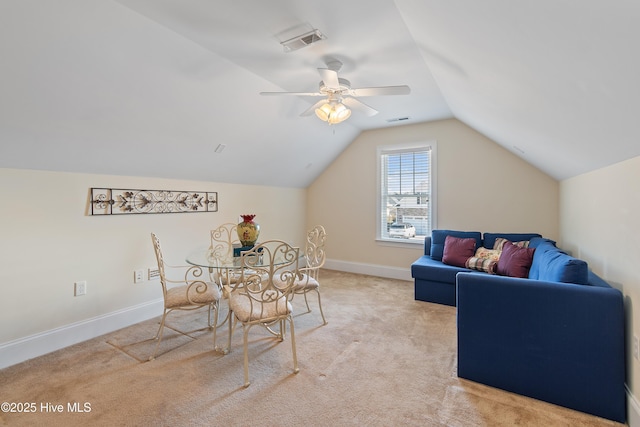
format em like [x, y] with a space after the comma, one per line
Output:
[515, 261]
[438, 237]
[458, 250]
[595, 280]
[427, 268]
[490, 238]
[534, 242]
[541, 246]
[557, 266]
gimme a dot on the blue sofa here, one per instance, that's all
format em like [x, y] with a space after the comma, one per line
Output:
[556, 336]
[435, 281]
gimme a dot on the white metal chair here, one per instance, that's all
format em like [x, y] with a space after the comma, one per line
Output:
[261, 296]
[223, 239]
[307, 279]
[190, 292]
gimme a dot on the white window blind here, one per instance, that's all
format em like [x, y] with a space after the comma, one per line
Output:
[405, 183]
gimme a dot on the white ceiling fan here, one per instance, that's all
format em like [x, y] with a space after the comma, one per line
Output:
[339, 96]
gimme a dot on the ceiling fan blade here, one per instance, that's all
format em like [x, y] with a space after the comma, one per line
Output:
[383, 90]
[292, 93]
[360, 106]
[309, 111]
[329, 77]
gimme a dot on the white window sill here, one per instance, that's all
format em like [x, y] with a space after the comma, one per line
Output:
[403, 243]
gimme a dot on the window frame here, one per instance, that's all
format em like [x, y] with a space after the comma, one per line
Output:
[432, 210]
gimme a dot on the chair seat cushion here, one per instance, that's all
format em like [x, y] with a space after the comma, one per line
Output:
[228, 277]
[232, 276]
[305, 283]
[302, 283]
[199, 293]
[247, 310]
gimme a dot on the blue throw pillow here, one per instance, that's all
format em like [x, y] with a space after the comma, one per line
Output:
[438, 237]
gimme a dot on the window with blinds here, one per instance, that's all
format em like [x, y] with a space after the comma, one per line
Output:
[406, 198]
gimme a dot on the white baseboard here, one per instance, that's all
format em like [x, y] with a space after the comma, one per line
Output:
[22, 349]
[26, 348]
[633, 410]
[370, 269]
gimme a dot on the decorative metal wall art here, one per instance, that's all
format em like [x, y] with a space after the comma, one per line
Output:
[118, 201]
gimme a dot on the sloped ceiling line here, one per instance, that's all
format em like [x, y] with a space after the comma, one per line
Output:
[170, 80]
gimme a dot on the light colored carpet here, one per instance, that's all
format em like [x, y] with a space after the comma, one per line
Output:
[384, 359]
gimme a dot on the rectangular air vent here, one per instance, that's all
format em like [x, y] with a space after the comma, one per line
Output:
[398, 119]
[303, 40]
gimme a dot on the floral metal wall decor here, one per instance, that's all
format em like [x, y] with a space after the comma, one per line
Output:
[118, 201]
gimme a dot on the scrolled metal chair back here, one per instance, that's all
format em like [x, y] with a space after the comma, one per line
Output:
[314, 252]
[192, 276]
[268, 273]
[222, 240]
[160, 259]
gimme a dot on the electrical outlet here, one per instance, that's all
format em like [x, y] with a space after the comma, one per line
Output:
[636, 348]
[80, 288]
[153, 273]
[138, 276]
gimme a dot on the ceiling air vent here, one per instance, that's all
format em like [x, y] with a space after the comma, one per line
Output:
[398, 119]
[303, 40]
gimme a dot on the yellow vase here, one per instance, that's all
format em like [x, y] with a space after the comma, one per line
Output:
[248, 230]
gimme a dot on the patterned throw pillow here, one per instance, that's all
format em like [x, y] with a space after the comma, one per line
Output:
[484, 253]
[500, 243]
[483, 264]
[484, 260]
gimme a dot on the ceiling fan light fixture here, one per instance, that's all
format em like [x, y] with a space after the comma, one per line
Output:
[333, 112]
[323, 112]
[339, 96]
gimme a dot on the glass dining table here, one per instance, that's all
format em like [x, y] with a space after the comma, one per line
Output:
[205, 257]
[225, 270]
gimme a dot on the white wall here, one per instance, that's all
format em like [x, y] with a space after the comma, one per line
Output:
[49, 241]
[600, 223]
[480, 186]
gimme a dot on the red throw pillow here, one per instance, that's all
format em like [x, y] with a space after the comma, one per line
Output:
[515, 261]
[458, 250]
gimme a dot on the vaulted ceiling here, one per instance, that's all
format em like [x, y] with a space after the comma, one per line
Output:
[153, 87]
